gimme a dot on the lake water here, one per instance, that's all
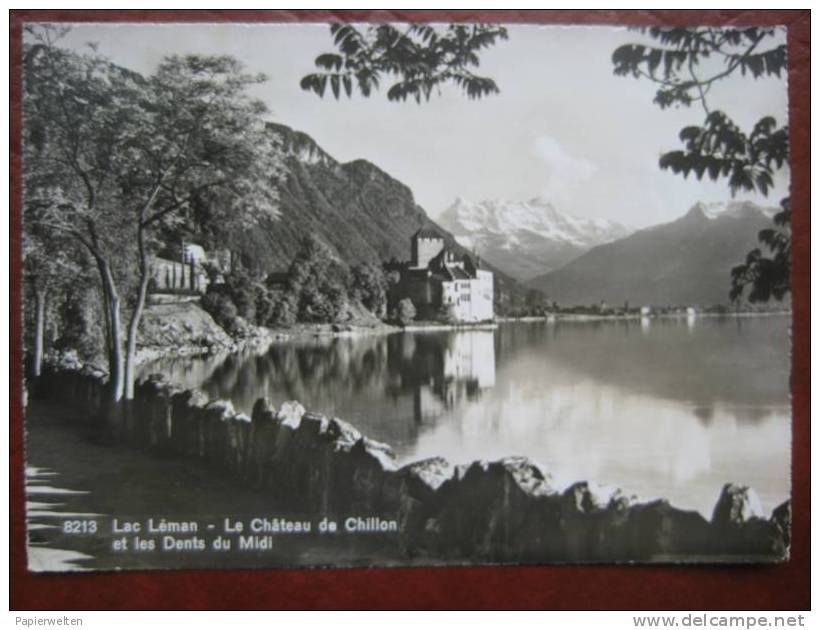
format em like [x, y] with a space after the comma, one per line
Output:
[669, 408]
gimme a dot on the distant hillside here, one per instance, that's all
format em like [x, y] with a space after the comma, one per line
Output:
[687, 261]
[363, 213]
[526, 238]
[358, 209]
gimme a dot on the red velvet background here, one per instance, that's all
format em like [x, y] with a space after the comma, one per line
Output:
[783, 586]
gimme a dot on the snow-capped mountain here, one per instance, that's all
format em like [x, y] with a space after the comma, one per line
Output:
[730, 209]
[526, 238]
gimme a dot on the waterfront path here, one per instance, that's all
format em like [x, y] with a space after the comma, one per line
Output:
[70, 477]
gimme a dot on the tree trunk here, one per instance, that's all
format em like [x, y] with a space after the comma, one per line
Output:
[106, 320]
[39, 326]
[116, 350]
[136, 315]
[114, 325]
[133, 331]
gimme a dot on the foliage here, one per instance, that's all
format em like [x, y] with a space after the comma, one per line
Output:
[319, 283]
[78, 326]
[720, 149]
[447, 313]
[71, 131]
[369, 286]
[417, 57]
[265, 305]
[768, 277]
[405, 312]
[219, 305]
[115, 156]
[237, 295]
[199, 136]
[285, 311]
[319, 290]
[679, 60]
[686, 63]
[56, 278]
[241, 290]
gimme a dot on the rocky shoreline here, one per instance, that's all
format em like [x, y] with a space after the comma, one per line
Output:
[502, 511]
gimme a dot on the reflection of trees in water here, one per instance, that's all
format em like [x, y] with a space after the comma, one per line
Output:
[436, 371]
[704, 414]
[184, 371]
[410, 388]
[426, 375]
[305, 371]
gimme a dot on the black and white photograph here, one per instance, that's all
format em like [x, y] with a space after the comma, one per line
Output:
[364, 294]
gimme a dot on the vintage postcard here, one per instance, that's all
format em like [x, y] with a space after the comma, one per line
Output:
[384, 294]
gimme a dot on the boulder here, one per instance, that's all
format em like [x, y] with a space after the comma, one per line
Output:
[782, 518]
[659, 531]
[507, 510]
[290, 414]
[264, 428]
[371, 463]
[343, 432]
[413, 493]
[495, 510]
[736, 505]
[590, 514]
[304, 470]
[214, 435]
[159, 411]
[221, 409]
[186, 409]
[239, 434]
[742, 529]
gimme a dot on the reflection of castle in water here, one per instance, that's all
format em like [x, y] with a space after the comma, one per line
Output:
[467, 368]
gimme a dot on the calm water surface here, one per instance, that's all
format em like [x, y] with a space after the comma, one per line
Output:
[667, 407]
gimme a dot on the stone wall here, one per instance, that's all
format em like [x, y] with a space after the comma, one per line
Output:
[501, 511]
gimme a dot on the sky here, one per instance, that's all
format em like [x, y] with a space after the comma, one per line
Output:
[563, 127]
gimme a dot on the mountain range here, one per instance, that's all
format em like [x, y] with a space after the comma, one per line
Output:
[685, 262]
[526, 238]
[364, 214]
[360, 211]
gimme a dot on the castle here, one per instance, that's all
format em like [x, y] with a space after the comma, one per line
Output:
[443, 285]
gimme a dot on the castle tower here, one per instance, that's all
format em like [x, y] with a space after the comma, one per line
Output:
[425, 244]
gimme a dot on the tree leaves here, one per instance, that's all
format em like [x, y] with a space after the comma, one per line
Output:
[768, 63]
[329, 61]
[676, 63]
[126, 153]
[767, 277]
[719, 149]
[418, 58]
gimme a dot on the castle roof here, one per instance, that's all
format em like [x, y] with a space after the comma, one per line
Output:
[451, 267]
[460, 274]
[427, 231]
